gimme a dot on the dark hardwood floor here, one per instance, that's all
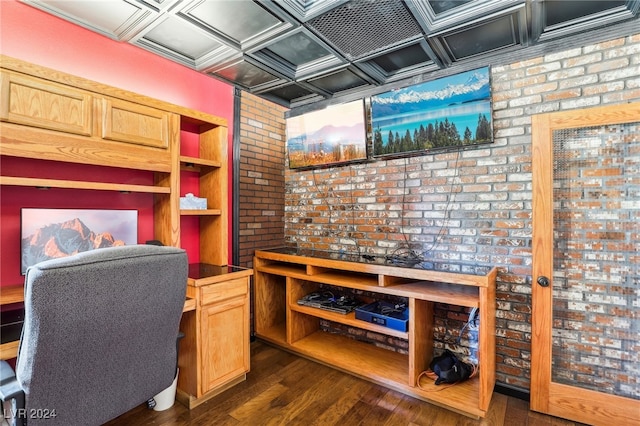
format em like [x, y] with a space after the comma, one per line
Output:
[284, 389]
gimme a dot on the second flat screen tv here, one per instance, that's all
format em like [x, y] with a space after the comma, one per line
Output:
[335, 135]
[448, 113]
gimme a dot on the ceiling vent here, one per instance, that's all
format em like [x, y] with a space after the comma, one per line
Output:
[360, 28]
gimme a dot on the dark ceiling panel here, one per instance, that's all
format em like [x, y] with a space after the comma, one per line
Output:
[289, 92]
[340, 81]
[297, 54]
[554, 19]
[401, 62]
[247, 74]
[441, 6]
[557, 12]
[483, 38]
[501, 32]
[402, 58]
[297, 49]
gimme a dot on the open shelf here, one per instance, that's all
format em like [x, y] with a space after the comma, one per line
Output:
[275, 334]
[207, 212]
[462, 397]
[359, 358]
[196, 164]
[441, 293]
[75, 184]
[345, 279]
[284, 270]
[350, 320]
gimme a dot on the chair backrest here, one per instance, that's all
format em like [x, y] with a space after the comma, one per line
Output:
[100, 332]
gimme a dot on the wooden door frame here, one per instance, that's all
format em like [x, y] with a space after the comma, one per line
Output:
[556, 399]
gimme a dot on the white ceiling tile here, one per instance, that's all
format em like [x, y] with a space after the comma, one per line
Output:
[117, 19]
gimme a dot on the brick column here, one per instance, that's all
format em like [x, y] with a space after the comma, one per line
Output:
[262, 151]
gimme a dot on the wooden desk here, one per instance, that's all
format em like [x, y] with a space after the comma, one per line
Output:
[11, 294]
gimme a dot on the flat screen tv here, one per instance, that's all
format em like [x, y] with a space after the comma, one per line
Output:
[448, 113]
[334, 135]
[53, 233]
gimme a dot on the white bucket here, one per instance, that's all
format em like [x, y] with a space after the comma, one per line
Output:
[166, 398]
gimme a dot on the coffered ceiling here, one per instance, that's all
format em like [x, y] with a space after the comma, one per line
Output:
[302, 52]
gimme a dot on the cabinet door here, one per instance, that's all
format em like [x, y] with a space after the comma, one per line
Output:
[133, 123]
[224, 331]
[38, 103]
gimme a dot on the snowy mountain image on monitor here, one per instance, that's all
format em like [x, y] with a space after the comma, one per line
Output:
[44, 239]
[449, 112]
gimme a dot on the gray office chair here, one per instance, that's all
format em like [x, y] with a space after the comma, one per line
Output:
[99, 335]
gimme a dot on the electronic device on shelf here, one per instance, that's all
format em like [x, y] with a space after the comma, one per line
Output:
[386, 314]
[328, 301]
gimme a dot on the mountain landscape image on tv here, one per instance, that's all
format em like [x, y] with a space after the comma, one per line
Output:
[53, 233]
[333, 135]
[450, 112]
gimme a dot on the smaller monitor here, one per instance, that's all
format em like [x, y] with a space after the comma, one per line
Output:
[52, 233]
[335, 135]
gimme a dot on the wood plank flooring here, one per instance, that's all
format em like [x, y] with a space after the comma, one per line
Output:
[284, 389]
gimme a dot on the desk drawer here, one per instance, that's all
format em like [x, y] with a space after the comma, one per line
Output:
[222, 291]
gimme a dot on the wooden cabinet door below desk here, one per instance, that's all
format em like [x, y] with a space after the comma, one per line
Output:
[224, 328]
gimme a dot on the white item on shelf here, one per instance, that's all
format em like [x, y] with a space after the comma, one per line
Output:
[191, 202]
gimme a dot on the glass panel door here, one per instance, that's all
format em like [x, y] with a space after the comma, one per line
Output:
[596, 258]
[585, 322]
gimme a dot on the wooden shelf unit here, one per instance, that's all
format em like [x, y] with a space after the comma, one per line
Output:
[49, 115]
[282, 278]
[210, 166]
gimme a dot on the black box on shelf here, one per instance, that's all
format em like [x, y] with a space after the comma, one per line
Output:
[395, 316]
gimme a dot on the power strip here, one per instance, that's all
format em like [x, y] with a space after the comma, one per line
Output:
[471, 324]
[473, 319]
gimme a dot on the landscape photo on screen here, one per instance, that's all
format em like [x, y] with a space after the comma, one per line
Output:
[333, 135]
[450, 112]
[53, 233]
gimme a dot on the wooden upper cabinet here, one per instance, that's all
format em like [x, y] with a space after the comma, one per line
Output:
[39, 103]
[124, 121]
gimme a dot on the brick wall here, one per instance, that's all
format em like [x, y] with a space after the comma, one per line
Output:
[472, 206]
[261, 171]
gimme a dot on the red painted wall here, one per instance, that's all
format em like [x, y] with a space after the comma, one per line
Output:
[34, 36]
